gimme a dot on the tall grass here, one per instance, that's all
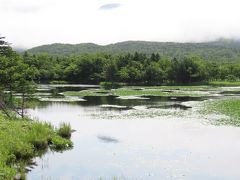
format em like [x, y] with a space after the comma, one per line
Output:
[22, 140]
[64, 130]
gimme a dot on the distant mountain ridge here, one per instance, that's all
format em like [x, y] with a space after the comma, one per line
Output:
[220, 50]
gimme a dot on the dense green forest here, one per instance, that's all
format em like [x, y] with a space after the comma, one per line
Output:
[222, 50]
[132, 68]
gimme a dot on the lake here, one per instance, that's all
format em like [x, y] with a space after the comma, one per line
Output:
[136, 138]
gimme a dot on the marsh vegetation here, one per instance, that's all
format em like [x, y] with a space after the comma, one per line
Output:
[22, 140]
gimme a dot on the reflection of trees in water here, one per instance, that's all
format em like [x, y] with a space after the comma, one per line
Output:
[112, 100]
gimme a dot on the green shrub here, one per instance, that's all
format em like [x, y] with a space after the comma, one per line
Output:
[6, 172]
[64, 130]
[231, 78]
[110, 85]
[40, 135]
[58, 82]
[59, 143]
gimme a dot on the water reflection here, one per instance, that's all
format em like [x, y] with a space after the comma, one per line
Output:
[107, 139]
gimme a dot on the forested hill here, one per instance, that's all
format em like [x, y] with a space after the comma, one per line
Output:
[218, 51]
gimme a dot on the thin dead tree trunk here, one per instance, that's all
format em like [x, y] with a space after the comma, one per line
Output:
[22, 105]
[3, 106]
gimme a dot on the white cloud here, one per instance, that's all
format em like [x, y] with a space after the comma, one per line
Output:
[34, 22]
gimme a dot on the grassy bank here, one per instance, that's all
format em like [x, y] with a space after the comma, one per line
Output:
[208, 83]
[191, 85]
[21, 140]
[224, 83]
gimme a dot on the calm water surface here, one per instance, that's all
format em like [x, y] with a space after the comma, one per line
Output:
[138, 142]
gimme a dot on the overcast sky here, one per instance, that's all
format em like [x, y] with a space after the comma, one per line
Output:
[28, 23]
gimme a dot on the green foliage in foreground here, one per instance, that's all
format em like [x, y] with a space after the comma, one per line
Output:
[129, 92]
[22, 139]
[228, 107]
[15, 77]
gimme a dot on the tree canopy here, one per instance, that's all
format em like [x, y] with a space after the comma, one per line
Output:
[132, 68]
[16, 76]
